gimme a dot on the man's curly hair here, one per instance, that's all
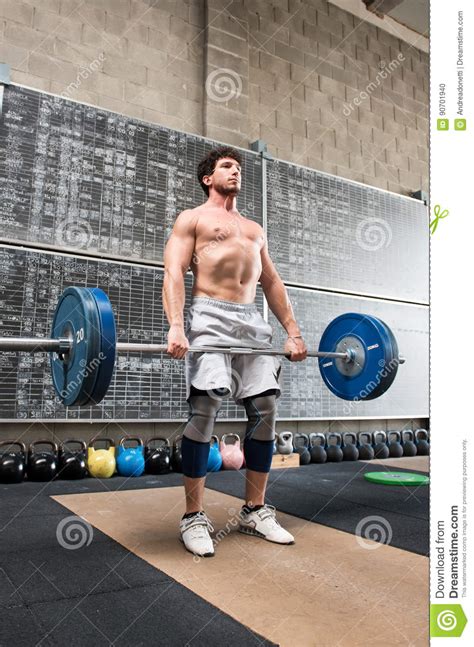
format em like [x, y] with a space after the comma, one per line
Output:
[208, 164]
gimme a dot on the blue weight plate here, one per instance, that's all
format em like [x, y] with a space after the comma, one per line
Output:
[76, 317]
[388, 372]
[108, 341]
[375, 353]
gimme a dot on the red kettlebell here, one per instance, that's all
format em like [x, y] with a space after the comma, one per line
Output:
[232, 455]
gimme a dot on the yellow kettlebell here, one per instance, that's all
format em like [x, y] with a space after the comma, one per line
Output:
[101, 462]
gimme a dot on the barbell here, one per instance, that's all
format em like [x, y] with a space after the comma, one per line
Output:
[358, 354]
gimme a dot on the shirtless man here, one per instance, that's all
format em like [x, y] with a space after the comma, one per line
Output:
[228, 255]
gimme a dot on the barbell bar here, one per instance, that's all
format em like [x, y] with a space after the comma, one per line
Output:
[65, 344]
[358, 353]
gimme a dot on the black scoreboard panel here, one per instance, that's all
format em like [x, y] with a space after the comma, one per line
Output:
[80, 178]
[327, 232]
[87, 183]
[144, 387]
[304, 394]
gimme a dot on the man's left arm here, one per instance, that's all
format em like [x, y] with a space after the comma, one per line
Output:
[279, 303]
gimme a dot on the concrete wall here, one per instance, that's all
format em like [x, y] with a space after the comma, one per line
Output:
[324, 88]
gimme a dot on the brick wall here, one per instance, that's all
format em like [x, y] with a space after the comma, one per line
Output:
[323, 88]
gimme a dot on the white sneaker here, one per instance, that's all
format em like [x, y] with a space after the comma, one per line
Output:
[195, 534]
[263, 523]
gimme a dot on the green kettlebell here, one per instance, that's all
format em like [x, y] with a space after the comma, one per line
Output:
[349, 447]
[317, 441]
[333, 449]
[422, 442]
[395, 448]
[366, 451]
[380, 444]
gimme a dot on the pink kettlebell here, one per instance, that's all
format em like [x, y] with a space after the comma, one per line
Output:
[232, 455]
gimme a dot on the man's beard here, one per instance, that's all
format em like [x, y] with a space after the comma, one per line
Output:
[228, 190]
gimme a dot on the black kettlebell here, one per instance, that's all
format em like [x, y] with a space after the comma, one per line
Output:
[317, 443]
[380, 444]
[177, 458]
[12, 464]
[72, 464]
[157, 459]
[366, 451]
[42, 465]
[409, 447]
[422, 442]
[301, 447]
[395, 448]
[333, 450]
[349, 446]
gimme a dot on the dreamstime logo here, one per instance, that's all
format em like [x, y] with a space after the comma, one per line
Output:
[373, 233]
[223, 234]
[86, 370]
[84, 74]
[231, 524]
[73, 533]
[385, 370]
[384, 73]
[220, 378]
[446, 620]
[223, 85]
[75, 233]
[374, 528]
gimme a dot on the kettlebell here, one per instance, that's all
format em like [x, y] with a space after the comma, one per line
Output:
[42, 465]
[12, 463]
[301, 447]
[157, 459]
[101, 462]
[395, 448]
[422, 442]
[130, 460]
[285, 442]
[409, 447]
[72, 464]
[380, 444]
[366, 451]
[176, 457]
[333, 450]
[232, 456]
[214, 461]
[349, 446]
[317, 443]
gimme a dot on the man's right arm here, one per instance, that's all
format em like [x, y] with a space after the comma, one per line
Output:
[178, 254]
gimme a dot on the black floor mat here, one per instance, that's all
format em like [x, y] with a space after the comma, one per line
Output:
[100, 594]
[338, 496]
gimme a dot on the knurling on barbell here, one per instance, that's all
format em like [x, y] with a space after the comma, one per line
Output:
[358, 353]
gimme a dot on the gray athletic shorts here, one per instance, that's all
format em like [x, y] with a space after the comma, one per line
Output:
[212, 322]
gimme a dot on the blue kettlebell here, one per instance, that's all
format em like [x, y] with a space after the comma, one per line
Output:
[214, 462]
[130, 460]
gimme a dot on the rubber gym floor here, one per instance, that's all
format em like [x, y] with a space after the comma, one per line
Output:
[123, 578]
